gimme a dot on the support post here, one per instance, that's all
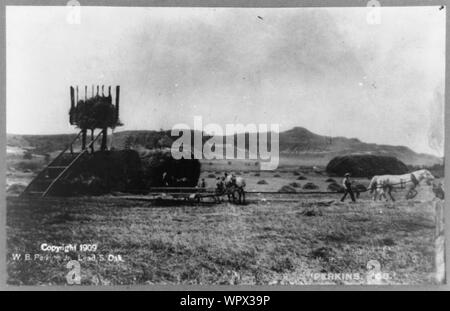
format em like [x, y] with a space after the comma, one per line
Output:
[117, 102]
[92, 138]
[72, 98]
[104, 139]
[72, 104]
[439, 240]
[83, 139]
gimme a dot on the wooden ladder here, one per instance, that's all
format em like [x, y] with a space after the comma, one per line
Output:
[43, 183]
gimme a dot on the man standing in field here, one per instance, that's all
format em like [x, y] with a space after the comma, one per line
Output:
[348, 188]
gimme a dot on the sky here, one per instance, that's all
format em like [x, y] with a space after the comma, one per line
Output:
[325, 69]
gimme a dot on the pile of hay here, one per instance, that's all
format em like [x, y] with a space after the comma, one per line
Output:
[310, 186]
[335, 187]
[287, 188]
[178, 173]
[95, 112]
[16, 188]
[359, 188]
[127, 171]
[262, 182]
[365, 165]
[101, 173]
[311, 211]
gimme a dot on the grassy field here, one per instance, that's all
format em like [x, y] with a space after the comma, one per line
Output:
[264, 242]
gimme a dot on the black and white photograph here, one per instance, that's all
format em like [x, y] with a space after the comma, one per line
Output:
[225, 146]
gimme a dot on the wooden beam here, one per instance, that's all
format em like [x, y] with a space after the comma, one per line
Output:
[117, 102]
[72, 98]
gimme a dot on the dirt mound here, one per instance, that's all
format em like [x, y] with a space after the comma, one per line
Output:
[262, 182]
[287, 188]
[310, 186]
[359, 165]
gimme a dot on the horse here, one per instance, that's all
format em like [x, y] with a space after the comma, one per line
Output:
[233, 185]
[382, 184]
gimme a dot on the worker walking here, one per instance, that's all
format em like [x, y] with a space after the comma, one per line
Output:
[347, 188]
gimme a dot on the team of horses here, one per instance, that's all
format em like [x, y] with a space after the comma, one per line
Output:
[381, 186]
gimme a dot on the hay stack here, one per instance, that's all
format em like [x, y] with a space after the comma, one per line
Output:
[359, 188]
[95, 112]
[179, 173]
[335, 187]
[15, 189]
[101, 173]
[287, 188]
[310, 186]
[365, 165]
[127, 171]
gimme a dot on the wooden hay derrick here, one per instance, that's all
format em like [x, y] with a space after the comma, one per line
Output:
[95, 112]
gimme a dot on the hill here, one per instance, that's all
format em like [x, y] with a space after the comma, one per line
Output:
[295, 144]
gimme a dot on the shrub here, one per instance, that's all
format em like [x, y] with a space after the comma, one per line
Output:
[301, 178]
[330, 180]
[262, 182]
[295, 185]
